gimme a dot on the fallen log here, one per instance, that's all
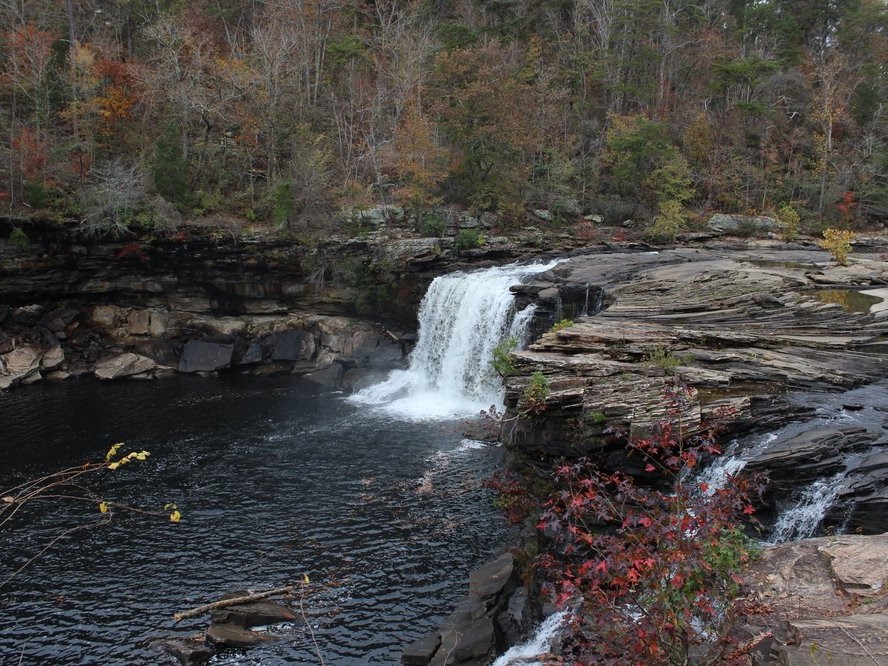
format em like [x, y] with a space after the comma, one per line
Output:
[236, 601]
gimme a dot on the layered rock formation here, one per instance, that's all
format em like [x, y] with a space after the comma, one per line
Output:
[739, 327]
[216, 297]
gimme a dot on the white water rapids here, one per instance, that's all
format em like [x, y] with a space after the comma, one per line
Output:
[463, 316]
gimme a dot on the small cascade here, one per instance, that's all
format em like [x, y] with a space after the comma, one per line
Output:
[732, 462]
[519, 329]
[586, 302]
[462, 317]
[802, 519]
[529, 653]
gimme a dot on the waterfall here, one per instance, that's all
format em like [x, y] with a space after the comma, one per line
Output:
[529, 653]
[732, 462]
[800, 520]
[462, 317]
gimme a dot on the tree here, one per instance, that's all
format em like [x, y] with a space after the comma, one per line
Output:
[480, 97]
[74, 485]
[418, 161]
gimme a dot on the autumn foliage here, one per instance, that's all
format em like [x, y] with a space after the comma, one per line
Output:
[650, 574]
[627, 109]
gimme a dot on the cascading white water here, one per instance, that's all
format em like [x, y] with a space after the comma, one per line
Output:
[802, 519]
[463, 316]
[731, 462]
[528, 653]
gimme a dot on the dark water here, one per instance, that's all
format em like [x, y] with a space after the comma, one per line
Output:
[273, 480]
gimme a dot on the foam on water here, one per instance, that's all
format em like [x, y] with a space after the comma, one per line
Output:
[462, 318]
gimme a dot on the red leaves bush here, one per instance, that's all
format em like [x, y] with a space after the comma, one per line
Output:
[650, 572]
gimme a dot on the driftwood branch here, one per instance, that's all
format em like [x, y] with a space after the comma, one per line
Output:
[236, 601]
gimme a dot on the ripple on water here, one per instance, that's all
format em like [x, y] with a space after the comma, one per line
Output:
[273, 481]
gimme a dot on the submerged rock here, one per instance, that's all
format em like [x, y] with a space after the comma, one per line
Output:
[189, 651]
[234, 636]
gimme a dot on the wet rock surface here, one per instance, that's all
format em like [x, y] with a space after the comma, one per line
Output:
[230, 627]
[483, 624]
[740, 328]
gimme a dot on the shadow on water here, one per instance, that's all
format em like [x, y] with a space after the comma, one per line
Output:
[274, 479]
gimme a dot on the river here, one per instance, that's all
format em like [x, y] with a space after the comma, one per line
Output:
[274, 479]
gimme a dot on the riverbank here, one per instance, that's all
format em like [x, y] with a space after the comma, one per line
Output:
[742, 320]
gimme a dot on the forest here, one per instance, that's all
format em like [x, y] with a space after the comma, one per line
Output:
[126, 114]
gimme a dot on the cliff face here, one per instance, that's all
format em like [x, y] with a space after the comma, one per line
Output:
[208, 299]
[739, 327]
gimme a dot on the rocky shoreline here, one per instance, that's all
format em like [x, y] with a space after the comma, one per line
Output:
[741, 325]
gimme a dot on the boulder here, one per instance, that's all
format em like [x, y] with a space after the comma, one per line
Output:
[746, 225]
[253, 355]
[109, 320]
[163, 352]
[124, 365]
[379, 215]
[826, 600]
[139, 322]
[292, 346]
[421, 651]
[472, 634]
[329, 377]
[234, 636]
[52, 358]
[254, 614]
[189, 651]
[201, 356]
[19, 365]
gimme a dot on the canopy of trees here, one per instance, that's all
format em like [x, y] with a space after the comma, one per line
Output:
[287, 110]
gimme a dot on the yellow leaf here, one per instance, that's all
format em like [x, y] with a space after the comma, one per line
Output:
[113, 451]
[114, 465]
[103, 507]
[305, 579]
[175, 516]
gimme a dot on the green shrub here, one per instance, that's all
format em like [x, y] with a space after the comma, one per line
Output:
[432, 225]
[790, 222]
[37, 195]
[663, 358]
[533, 399]
[670, 221]
[19, 239]
[467, 239]
[502, 361]
[282, 204]
[561, 325]
[170, 168]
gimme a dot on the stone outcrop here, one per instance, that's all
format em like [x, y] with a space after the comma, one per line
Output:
[202, 356]
[230, 627]
[811, 455]
[128, 364]
[740, 328]
[483, 625]
[826, 599]
[336, 312]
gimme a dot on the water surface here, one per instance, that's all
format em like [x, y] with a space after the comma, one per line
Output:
[274, 480]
